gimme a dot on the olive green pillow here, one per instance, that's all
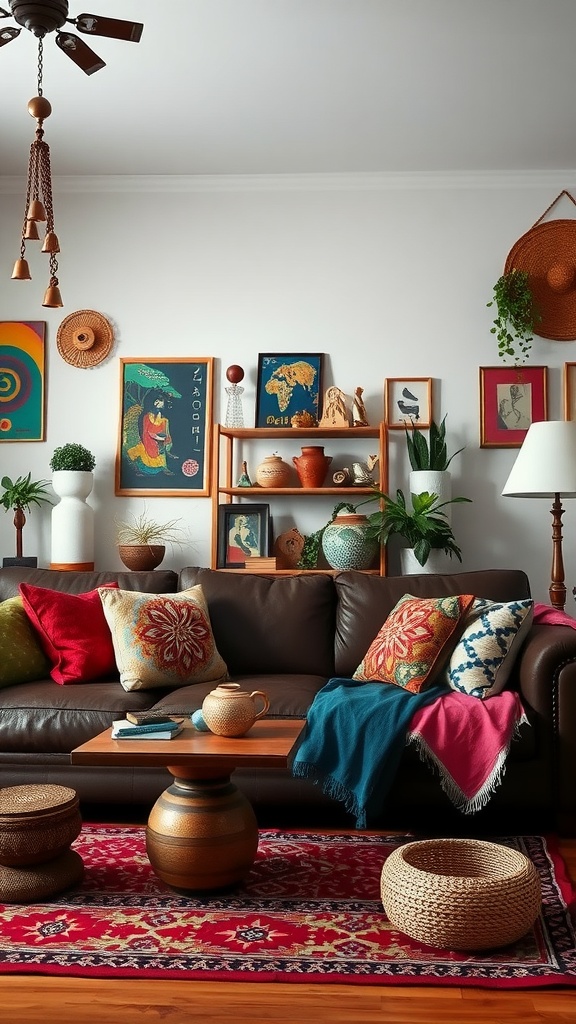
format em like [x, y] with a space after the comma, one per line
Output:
[21, 658]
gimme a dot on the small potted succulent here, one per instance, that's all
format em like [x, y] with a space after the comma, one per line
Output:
[19, 495]
[142, 541]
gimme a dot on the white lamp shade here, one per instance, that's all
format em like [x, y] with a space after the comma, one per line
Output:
[546, 463]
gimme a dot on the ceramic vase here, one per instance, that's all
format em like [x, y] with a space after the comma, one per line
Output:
[345, 542]
[312, 465]
[273, 472]
[435, 482]
[141, 557]
[438, 562]
[231, 711]
[72, 521]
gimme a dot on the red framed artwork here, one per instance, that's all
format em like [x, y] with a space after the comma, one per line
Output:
[511, 399]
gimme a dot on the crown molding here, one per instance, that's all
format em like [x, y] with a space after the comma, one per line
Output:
[336, 182]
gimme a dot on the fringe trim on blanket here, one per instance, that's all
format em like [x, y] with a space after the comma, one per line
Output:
[463, 803]
[331, 788]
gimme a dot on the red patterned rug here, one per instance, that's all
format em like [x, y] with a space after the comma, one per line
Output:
[310, 911]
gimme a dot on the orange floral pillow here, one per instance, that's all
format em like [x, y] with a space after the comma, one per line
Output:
[415, 641]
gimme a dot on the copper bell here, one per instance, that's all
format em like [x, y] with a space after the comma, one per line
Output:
[36, 210]
[51, 243]
[52, 297]
[21, 271]
[31, 232]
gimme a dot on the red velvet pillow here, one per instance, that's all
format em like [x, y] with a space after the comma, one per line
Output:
[73, 632]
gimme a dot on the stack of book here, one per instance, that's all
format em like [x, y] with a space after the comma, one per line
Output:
[147, 729]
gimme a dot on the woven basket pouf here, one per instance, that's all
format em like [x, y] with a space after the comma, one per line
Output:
[40, 881]
[460, 893]
[37, 823]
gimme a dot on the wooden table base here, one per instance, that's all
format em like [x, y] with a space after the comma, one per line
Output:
[202, 833]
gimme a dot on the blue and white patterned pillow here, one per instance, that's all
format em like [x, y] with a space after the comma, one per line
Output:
[483, 658]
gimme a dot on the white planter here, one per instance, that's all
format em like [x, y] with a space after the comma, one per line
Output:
[72, 521]
[435, 482]
[437, 562]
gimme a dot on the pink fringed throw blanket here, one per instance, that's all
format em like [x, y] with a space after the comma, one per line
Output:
[467, 739]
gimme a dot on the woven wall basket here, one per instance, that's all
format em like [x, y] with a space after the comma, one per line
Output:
[85, 338]
[548, 253]
[460, 893]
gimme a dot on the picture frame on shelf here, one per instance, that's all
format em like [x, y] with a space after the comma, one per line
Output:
[286, 384]
[165, 429]
[408, 402]
[243, 532]
[22, 358]
[569, 386]
[511, 399]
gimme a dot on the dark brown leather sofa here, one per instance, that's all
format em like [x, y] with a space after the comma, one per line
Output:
[288, 635]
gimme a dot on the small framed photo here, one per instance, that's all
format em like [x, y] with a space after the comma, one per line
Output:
[243, 532]
[287, 384]
[569, 391]
[408, 402]
[511, 399]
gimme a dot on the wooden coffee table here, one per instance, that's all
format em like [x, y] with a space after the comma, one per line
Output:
[202, 832]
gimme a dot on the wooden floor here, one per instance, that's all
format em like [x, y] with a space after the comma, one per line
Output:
[35, 1000]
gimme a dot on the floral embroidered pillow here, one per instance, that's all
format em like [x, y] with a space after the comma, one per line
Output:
[162, 639]
[415, 641]
[494, 631]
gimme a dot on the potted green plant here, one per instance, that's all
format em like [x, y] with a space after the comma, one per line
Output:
[142, 541]
[72, 457]
[430, 462]
[424, 526]
[72, 517]
[517, 316]
[19, 495]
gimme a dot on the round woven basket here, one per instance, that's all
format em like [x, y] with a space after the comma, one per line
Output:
[460, 893]
[37, 823]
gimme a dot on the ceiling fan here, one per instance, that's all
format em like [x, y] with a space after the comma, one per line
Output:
[47, 16]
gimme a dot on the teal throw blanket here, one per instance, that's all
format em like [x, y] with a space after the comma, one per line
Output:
[353, 740]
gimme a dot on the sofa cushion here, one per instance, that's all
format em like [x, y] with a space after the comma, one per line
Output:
[162, 640]
[73, 632]
[276, 624]
[364, 601]
[481, 663]
[22, 656]
[413, 644]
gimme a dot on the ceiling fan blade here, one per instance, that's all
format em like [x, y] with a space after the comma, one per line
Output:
[8, 34]
[79, 52]
[111, 27]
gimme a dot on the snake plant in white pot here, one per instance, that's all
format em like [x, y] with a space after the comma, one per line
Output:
[430, 461]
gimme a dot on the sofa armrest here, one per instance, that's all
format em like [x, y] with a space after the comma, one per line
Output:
[546, 676]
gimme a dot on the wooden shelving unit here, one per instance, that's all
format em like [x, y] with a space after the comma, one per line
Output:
[231, 445]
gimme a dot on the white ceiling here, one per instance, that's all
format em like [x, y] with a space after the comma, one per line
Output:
[304, 86]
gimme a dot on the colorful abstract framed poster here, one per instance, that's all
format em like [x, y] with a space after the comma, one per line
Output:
[22, 375]
[243, 532]
[165, 427]
[511, 399]
[287, 384]
[408, 402]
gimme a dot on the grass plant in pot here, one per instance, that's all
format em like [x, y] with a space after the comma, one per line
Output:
[72, 518]
[142, 541]
[423, 525]
[19, 496]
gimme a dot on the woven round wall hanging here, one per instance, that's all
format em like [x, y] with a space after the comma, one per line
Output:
[84, 338]
[548, 253]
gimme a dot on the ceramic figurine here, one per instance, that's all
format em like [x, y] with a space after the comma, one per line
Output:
[244, 480]
[359, 416]
[335, 413]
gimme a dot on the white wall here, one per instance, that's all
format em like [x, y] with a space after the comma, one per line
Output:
[388, 276]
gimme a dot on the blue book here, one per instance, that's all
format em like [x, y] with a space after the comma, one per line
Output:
[125, 730]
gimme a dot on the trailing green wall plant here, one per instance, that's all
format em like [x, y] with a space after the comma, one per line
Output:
[517, 316]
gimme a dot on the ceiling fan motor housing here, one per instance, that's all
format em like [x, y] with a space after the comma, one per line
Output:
[42, 17]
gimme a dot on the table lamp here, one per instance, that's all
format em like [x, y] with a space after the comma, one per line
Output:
[545, 467]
